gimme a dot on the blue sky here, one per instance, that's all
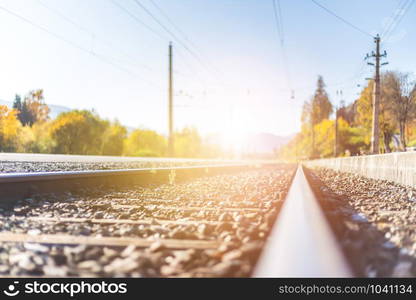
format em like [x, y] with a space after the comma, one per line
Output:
[97, 56]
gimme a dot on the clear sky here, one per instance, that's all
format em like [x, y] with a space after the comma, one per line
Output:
[92, 54]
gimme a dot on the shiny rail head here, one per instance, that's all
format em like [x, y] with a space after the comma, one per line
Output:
[56, 175]
[18, 186]
[301, 243]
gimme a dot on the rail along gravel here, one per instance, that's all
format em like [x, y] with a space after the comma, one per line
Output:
[211, 223]
[373, 219]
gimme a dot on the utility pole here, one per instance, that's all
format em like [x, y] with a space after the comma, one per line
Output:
[313, 134]
[375, 133]
[336, 133]
[339, 93]
[171, 152]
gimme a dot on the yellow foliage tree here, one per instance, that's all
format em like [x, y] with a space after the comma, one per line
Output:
[113, 139]
[188, 143]
[364, 116]
[9, 129]
[78, 132]
[144, 142]
[36, 139]
[350, 141]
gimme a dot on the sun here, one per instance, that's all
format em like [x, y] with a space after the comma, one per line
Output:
[235, 138]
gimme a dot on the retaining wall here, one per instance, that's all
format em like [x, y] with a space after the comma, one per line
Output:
[397, 167]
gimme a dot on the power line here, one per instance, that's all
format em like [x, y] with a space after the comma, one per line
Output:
[170, 21]
[399, 14]
[193, 54]
[161, 36]
[279, 26]
[279, 21]
[69, 42]
[341, 19]
[92, 34]
[392, 18]
[190, 68]
[185, 37]
[134, 17]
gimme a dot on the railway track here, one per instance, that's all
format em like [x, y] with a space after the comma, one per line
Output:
[218, 220]
[198, 221]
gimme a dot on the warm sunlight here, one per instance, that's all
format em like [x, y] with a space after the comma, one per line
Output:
[207, 139]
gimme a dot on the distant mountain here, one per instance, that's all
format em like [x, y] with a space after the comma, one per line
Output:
[266, 142]
[7, 103]
[55, 109]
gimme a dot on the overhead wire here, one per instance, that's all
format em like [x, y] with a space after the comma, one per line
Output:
[281, 37]
[134, 17]
[73, 44]
[171, 22]
[399, 15]
[392, 18]
[94, 36]
[139, 21]
[165, 38]
[342, 19]
[175, 38]
[131, 60]
[182, 33]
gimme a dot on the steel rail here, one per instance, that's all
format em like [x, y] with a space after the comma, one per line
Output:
[59, 175]
[64, 239]
[301, 243]
[16, 186]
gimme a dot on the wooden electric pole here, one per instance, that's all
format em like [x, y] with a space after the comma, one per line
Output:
[339, 93]
[375, 133]
[376, 101]
[171, 151]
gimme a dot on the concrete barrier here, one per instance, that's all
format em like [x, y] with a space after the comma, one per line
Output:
[398, 167]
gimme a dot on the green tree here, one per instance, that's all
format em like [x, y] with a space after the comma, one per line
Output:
[321, 106]
[78, 132]
[144, 142]
[33, 109]
[17, 103]
[9, 129]
[36, 139]
[399, 92]
[188, 143]
[318, 109]
[364, 116]
[113, 139]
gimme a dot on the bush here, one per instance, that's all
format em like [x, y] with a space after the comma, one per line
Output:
[143, 142]
[9, 129]
[113, 139]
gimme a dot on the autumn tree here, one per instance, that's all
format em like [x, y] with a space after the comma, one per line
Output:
[364, 115]
[319, 108]
[78, 132]
[37, 139]
[347, 112]
[9, 129]
[21, 109]
[17, 103]
[188, 143]
[33, 109]
[399, 91]
[145, 142]
[113, 139]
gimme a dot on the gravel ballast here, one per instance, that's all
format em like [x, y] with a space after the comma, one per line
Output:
[236, 210]
[373, 219]
[36, 166]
